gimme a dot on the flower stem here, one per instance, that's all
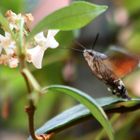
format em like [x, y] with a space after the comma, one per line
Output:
[30, 109]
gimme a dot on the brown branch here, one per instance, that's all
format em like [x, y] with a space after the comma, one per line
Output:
[45, 136]
[30, 109]
[123, 109]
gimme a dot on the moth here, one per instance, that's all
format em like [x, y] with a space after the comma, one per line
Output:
[110, 69]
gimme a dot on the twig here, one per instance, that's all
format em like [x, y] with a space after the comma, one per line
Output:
[123, 109]
[45, 136]
[30, 109]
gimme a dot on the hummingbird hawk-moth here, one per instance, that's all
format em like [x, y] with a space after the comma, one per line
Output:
[110, 69]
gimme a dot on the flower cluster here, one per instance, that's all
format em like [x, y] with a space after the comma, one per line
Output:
[34, 51]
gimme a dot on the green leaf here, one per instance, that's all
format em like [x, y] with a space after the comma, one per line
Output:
[14, 5]
[73, 115]
[79, 113]
[75, 16]
[87, 101]
[132, 7]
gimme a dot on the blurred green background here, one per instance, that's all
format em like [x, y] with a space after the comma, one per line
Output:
[119, 26]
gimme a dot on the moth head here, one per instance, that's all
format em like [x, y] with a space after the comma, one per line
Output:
[88, 54]
[92, 54]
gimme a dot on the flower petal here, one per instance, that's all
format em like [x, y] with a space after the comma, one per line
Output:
[0, 49]
[36, 55]
[40, 37]
[52, 33]
[7, 35]
[10, 49]
[1, 37]
[13, 62]
[51, 43]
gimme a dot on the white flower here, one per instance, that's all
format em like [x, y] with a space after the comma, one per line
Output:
[47, 42]
[51, 42]
[1, 42]
[13, 19]
[13, 62]
[36, 54]
[7, 44]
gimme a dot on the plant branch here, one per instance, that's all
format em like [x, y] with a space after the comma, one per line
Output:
[30, 109]
[123, 109]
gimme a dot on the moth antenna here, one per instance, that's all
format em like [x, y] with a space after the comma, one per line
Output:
[77, 50]
[95, 41]
[79, 44]
[73, 49]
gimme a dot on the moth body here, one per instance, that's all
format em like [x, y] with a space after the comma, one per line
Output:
[97, 63]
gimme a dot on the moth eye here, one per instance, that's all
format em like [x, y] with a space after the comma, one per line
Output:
[90, 53]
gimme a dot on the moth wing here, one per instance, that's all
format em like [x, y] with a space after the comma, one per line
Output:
[121, 62]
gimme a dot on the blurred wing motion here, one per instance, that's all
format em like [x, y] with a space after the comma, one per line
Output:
[121, 62]
[109, 68]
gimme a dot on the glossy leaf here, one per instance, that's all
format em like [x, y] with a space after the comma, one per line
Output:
[77, 15]
[14, 5]
[78, 114]
[87, 101]
[73, 115]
